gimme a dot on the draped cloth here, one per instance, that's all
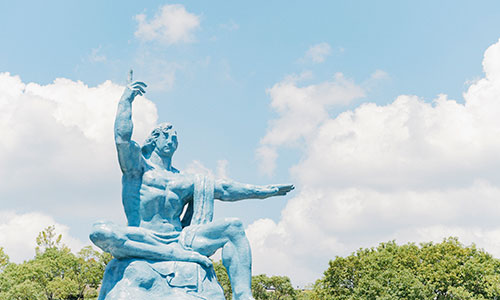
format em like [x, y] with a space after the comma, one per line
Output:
[203, 200]
[185, 275]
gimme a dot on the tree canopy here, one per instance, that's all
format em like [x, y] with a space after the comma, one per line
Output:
[263, 287]
[441, 271]
[4, 259]
[54, 273]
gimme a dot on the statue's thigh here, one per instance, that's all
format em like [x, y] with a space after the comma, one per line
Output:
[208, 238]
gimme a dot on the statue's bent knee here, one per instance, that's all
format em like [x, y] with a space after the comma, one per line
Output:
[234, 227]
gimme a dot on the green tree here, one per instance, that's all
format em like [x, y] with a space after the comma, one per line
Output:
[442, 271]
[54, 273]
[263, 287]
[223, 279]
[273, 288]
[47, 239]
[305, 294]
[4, 259]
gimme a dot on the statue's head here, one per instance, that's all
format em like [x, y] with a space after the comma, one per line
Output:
[162, 140]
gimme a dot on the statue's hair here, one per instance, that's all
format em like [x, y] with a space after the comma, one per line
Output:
[150, 142]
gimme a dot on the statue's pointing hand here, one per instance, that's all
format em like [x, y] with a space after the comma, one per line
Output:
[276, 190]
[134, 88]
[283, 189]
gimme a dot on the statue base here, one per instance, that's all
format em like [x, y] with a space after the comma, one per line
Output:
[140, 279]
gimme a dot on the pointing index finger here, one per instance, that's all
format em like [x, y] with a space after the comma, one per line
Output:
[130, 75]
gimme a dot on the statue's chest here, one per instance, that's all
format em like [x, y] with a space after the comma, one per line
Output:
[155, 178]
[161, 190]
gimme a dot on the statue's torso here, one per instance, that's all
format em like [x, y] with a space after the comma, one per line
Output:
[159, 196]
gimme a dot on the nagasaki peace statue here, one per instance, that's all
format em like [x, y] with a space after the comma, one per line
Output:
[163, 252]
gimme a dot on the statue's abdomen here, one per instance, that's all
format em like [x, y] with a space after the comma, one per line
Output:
[160, 209]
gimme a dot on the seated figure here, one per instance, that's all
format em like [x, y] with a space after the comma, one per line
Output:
[169, 214]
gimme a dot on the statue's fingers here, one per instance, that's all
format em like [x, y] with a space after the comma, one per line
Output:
[287, 187]
[139, 83]
[139, 88]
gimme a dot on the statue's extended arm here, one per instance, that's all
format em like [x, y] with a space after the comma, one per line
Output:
[228, 190]
[128, 150]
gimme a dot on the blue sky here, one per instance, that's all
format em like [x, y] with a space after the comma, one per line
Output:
[251, 76]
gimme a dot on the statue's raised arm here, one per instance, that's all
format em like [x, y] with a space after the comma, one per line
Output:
[129, 152]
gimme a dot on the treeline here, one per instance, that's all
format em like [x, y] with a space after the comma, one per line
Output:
[440, 271]
[54, 273]
[437, 271]
[263, 287]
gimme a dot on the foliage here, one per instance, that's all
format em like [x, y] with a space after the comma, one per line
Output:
[223, 279]
[273, 288]
[48, 239]
[263, 287]
[443, 271]
[306, 294]
[54, 273]
[4, 259]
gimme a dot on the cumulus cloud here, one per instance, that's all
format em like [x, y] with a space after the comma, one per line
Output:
[409, 170]
[18, 234]
[301, 109]
[318, 53]
[171, 25]
[197, 167]
[57, 152]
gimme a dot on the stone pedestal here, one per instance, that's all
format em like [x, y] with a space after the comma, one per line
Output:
[139, 279]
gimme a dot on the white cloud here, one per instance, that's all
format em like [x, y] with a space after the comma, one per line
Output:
[409, 170]
[197, 167]
[221, 169]
[318, 53]
[267, 159]
[57, 152]
[171, 25]
[18, 234]
[379, 74]
[301, 110]
[96, 55]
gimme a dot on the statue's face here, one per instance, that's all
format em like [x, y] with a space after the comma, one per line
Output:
[166, 142]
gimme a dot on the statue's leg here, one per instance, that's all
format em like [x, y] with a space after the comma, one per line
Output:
[127, 241]
[229, 235]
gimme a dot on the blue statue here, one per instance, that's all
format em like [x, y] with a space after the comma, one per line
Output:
[164, 251]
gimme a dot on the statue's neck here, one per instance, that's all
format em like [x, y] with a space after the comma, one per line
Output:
[164, 161]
